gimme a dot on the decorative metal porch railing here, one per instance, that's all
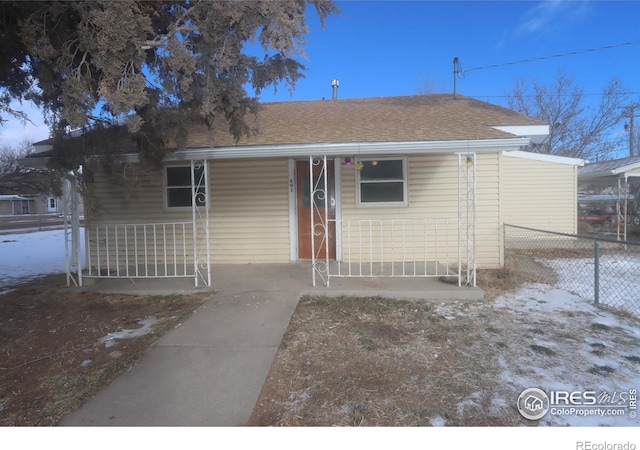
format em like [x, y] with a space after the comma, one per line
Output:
[397, 248]
[140, 250]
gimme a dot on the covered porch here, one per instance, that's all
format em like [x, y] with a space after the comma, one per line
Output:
[342, 252]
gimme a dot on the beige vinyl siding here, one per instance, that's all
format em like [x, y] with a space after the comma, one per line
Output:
[248, 223]
[139, 200]
[131, 221]
[539, 194]
[433, 196]
[488, 235]
[249, 211]
[6, 208]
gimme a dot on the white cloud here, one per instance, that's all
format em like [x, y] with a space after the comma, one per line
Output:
[551, 15]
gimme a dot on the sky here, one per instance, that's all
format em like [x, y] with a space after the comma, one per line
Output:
[386, 48]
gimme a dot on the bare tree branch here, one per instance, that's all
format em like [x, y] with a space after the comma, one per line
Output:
[577, 129]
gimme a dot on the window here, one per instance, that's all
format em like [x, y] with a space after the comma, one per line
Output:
[178, 181]
[52, 203]
[382, 182]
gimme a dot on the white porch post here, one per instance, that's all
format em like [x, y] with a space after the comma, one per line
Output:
[200, 220]
[319, 188]
[467, 216]
[73, 258]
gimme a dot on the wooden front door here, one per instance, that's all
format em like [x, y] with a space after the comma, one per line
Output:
[304, 210]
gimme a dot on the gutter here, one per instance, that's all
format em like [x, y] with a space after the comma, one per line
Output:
[546, 158]
[341, 149]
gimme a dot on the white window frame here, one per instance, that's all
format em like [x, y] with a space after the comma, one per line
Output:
[166, 187]
[404, 180]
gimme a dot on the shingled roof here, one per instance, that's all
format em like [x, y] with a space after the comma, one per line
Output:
[437, 117]
[610, 170]
[417, 118]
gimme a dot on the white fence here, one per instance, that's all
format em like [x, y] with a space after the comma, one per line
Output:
[147, 250]
[397, 248]
[366, 248]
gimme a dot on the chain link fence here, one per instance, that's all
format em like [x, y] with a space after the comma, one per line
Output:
[603, 270]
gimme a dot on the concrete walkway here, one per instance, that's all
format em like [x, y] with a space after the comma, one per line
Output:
[210, 370]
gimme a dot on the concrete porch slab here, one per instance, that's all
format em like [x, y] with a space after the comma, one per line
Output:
[291, 277]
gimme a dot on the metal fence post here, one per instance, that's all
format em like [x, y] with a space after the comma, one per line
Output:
[596, 279]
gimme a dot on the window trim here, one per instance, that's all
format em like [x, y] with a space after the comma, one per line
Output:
[166, 187]
[405, 184]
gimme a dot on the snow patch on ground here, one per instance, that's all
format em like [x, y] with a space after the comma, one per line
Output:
[618, 279]
[593, 350]
[146, 328]
[30, 255]
[437, 421]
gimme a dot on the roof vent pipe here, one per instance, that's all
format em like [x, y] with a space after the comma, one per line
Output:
[335, 84]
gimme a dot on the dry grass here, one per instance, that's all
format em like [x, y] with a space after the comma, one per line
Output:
[52, 360]
[343, 362]
[379, 362]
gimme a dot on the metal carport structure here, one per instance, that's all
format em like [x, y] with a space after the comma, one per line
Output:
[618, 173]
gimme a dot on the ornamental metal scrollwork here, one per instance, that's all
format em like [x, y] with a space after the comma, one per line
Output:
[200, 216]
[319, 195]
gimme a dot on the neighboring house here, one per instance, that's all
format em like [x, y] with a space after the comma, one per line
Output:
[20, 204]
[27, 193]
[401, 186]
[32, 195]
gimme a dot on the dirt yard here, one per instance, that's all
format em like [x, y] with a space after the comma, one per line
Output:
[343, 362]
[357, 362]
[57, 350]
[379, 362]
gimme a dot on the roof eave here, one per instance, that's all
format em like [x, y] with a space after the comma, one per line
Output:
[604, 175]
[546, 157]
[346, 149]
[40, 162]
[623, 169]
[538, 133]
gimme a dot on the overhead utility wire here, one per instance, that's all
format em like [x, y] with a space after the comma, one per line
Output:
[577, 52]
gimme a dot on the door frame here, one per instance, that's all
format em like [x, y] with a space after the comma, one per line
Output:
[293, 209]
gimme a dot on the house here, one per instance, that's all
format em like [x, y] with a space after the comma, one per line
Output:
[391, 186]
[34, 193]
[19, 204]
[25, 198]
